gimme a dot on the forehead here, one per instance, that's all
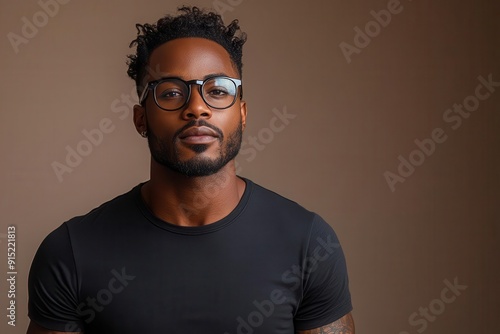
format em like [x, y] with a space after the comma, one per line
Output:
[190, 58]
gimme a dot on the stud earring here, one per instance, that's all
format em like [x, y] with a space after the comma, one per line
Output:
[144, 134]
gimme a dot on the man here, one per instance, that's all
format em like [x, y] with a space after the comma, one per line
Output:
[196, 249]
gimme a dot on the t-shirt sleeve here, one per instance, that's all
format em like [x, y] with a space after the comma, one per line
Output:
[52, 284]
[325, 286]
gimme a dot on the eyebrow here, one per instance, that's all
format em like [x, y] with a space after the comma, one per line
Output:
[211, 75]
[220, 74]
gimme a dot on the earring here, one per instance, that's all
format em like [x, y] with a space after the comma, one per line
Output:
[144, 134]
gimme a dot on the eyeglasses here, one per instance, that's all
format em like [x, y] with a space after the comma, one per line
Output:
[172, 94]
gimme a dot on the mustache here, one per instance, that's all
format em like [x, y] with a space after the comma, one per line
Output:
[198, 123]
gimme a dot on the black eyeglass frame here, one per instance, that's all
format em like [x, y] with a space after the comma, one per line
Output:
[153, 84]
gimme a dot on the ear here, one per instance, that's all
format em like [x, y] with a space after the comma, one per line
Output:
[140, 121]
[243, 112]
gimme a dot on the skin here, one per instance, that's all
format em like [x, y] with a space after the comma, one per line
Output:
[344, 325]
[33, 328]
[168, 193]
[172, 196]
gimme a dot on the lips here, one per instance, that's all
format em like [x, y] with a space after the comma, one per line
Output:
[201, 131]
[198, 135]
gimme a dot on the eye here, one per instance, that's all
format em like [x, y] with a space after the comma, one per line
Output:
[219, 88]
[218, 92]
[170, 94]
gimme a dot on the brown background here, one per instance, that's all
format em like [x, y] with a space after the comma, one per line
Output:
[352, 122]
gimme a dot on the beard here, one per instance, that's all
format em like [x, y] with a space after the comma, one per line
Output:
[198, 165]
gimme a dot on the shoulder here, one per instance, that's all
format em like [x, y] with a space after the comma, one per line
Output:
[89, 225]
[267, 198]
[63, 246]
[118, 206]
[284, 212]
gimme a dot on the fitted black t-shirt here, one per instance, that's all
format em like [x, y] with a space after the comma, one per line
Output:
[270, 266]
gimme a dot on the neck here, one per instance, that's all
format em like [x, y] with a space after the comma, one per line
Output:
[192, 201]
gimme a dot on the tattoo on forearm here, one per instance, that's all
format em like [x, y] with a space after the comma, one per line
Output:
[344, 325]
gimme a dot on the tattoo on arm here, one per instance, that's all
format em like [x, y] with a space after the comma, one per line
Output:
[344, 325]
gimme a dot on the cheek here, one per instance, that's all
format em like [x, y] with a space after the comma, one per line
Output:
[161, 124]
[230, 120]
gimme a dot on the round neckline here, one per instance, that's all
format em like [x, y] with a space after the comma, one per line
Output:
[194, 230]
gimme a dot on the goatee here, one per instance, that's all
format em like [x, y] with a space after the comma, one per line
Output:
[198, 165]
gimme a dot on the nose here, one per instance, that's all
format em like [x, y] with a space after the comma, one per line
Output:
[196, 106]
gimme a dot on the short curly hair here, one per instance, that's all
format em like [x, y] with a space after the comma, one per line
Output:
[191, 22]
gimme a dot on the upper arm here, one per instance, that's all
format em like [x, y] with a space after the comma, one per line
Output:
[33, 328]
[52, 285]
[325, 285]
[344, 325]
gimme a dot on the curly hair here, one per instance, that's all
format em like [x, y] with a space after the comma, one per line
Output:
[191, 22]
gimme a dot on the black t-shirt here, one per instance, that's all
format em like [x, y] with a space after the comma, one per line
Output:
[270, 266]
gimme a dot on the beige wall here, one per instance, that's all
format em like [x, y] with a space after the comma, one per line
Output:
[352, 121]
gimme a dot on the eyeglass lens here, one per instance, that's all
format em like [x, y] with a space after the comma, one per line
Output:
[172, 94]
